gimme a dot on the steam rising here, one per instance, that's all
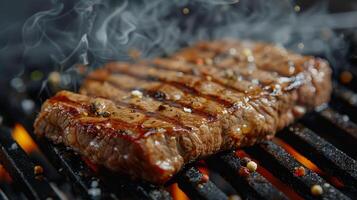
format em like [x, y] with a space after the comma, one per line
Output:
[96, 31]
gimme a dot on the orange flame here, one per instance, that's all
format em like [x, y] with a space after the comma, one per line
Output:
[307, 163]
[4, 175]
[177, 193]
[202, 168]
[22, 137]
[278, 184]
[302, 159]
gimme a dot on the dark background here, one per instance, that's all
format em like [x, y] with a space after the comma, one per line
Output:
[15, 12]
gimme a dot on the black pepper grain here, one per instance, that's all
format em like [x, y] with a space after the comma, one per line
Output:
[159, 95]
[161, 108]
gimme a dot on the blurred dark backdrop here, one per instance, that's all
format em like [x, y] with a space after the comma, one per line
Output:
[15, 12]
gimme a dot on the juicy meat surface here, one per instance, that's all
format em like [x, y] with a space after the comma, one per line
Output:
[147, 119]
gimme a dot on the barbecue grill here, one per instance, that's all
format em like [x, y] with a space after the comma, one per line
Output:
[321, 144]
[318, 150]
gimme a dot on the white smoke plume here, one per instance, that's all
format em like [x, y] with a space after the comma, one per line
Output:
[95, 31]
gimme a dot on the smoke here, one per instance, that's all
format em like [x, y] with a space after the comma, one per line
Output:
[92, 32]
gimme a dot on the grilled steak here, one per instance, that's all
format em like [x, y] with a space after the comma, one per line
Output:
[147, 119]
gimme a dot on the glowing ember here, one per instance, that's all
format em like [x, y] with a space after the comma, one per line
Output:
[299, 171]
[177, 193]
[22, 137]
[4, 176]
[204, 178]
[278, 184]
[302, 159]
[202, 167]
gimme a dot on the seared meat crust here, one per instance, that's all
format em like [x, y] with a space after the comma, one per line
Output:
[147, 119]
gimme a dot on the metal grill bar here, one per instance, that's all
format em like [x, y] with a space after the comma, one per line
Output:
[324, 154]
[283, 165]
[3, 195]
[70, 165]
[344, 101]
[125, 187]
[21, 168]
[339, 121]
[191, 181]
[253, 186]
[333, 131]
[99, 186]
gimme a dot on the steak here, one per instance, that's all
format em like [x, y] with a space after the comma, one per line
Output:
[148, 118]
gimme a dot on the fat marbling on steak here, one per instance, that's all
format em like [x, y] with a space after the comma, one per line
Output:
[147, 119]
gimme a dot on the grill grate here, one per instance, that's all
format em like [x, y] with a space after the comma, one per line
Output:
[92, 186]
[191, 181]
[314, 137]
[325, 155]
[283, 165]
[255, 186]
[21, 168]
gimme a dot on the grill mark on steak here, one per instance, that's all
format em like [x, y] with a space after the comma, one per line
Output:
[221, 50]
[185, 87]
[116, 123]
[247, 74]
[137, 106]
[292, 81]
[206, 75]
[210, 118]
[152, 92]
[251, 88]
[231, 108]
[250, 104]
[261, 112]
[92, 124]
[182, 86]
[155, 115]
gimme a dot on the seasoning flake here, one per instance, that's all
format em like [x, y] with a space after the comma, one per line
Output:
[316, 190]
[188, 110]
[252, 166]
[137, 94]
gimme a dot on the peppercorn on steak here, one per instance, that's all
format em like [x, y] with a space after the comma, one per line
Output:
[148, 118]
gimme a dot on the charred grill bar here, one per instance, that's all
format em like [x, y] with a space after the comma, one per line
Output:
[325, 155]
[22, 170]
[304, 137]
[194, 183]
[283, 165]
[254, 185]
